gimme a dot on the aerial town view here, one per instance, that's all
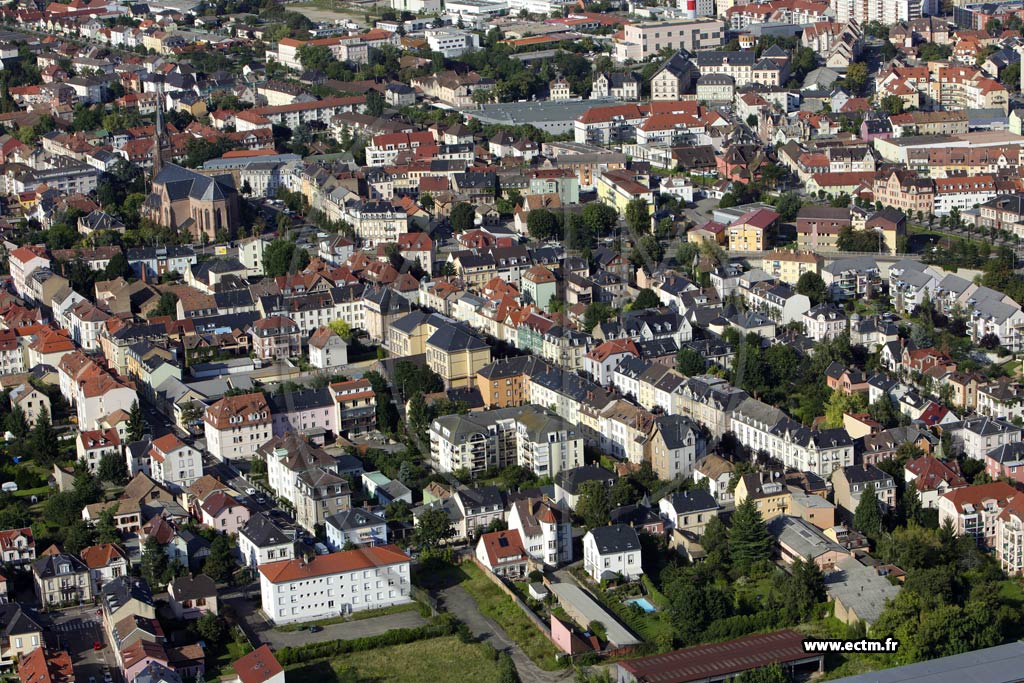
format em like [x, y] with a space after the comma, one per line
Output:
[511, 341]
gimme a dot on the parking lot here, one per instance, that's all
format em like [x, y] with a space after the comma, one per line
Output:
[78, 630]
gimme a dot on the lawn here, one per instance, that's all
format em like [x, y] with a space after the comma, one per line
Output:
[425, 661]
[654, 627]
[494, 603]
[231, 654]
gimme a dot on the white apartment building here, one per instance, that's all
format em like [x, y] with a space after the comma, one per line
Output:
[174, 462]
[645, 40]
[236, 426]
[528, 436]
[824, 321]
[22, 262]
[451, 41]
[545, 529]
[543, 7]
[977, 436]
[250, 254]
[610, 551]
[376, 222]
[261, 541]
[333, 585]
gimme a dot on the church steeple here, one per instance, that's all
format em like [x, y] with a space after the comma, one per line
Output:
[158, 137]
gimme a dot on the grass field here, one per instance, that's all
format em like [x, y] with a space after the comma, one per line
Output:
[494, 603]
[425, 661]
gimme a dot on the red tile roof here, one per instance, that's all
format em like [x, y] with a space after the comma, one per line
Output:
[334, 563]
[258, 666]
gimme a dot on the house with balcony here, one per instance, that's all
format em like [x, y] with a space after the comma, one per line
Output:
[61, 579]
[974, 510]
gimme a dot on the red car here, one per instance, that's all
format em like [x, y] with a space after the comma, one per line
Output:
[97, 645]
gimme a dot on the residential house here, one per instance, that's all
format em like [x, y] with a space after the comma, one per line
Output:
[236, 426]
[61, 579]
[192, 596]
[357, 527]
[261, 541]
[544, 528]
[850, 483]
[612, 551]
[106, 562]
[933, 478]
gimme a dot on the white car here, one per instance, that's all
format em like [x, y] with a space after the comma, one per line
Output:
[250, 492]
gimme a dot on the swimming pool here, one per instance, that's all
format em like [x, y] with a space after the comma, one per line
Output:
[642, 603]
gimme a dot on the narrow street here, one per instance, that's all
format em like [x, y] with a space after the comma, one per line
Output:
[458, 602]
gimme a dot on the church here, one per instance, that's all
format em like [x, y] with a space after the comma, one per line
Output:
[184, 199]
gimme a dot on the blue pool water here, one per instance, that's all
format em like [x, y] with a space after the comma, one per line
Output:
[642, 603]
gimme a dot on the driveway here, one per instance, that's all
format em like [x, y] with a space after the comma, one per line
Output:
[259, 630]
[461, 604]
[349, 630]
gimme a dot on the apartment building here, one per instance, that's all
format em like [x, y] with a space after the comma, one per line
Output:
[337, 584]
[236, 426]
[644, 40]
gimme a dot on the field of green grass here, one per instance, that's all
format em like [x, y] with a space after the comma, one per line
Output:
[425, 661]
[494, 603]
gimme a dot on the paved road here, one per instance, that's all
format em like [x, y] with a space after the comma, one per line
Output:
[77, 629]
[458, 602]
[347, 631]
[260, 630]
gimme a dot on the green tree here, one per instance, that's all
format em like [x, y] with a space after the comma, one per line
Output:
[813, 287]
[892, 105]
[749, 540]
[787, 206]
[77, 537]
[646, 298]
[638, 216]
[690, 362]
[342, 329]
[772, 673]
[136, 427]
[593, 506]
[596, 313]
[220, 563]
[542, 225]
[599, 219]
[374, 103]
[647, 252]
[857, 76]
[867, 517]
[418, 413]
[113, 468]
[16, 423]
[167, 305]
[43, 440]
[432, 528]
[463, 217]
[156, 566]
[910, 505]
[212, 628]
[840, 403]
[282, 257]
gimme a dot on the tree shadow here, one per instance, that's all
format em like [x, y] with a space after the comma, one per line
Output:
[321, 672]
